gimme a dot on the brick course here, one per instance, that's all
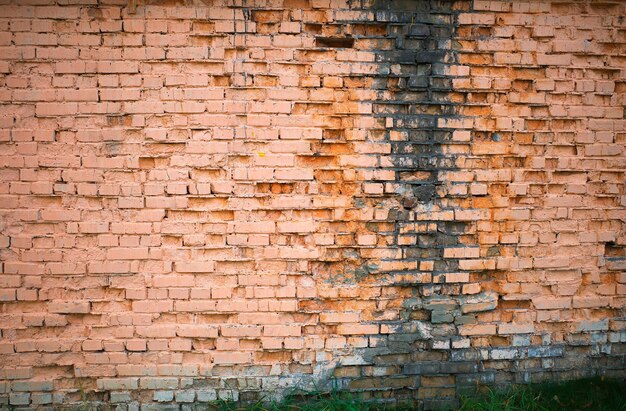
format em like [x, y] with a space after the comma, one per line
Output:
[204, 200]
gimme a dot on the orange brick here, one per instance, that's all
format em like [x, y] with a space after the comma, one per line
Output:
[282, 330]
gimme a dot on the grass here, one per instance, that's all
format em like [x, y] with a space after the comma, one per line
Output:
[330, 401]
[594, 394]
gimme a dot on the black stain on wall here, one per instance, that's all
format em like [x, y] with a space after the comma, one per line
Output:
[413, 44]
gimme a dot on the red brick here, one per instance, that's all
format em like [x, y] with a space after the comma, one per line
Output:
[240, 331]
[151, 306]
[122, 253]
[109, 267]
[117, 67]
[551, 302]
[357, 329]
[195, 306]
[282, 330]
[195, 267]
[231, 357]
[56, 109]
[197, 331]
[173, 281]
[478, 329]
[69, 307]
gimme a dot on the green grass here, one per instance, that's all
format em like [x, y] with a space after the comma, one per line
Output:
[593, 394]
[332, 401]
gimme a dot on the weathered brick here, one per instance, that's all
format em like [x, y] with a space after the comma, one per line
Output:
[32, 386]
[64, 307]
[229, 357]
[195, 267]
[197, 331]
[159, 383]
[16, 373]
[118, 383]
[282, 330]
[515, 328]
[357, 329]
[19, 398]
[552, 302]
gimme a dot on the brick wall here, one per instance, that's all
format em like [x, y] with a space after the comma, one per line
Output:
[209, 199]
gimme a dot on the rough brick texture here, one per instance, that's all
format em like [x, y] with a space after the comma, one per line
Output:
[227, 200]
